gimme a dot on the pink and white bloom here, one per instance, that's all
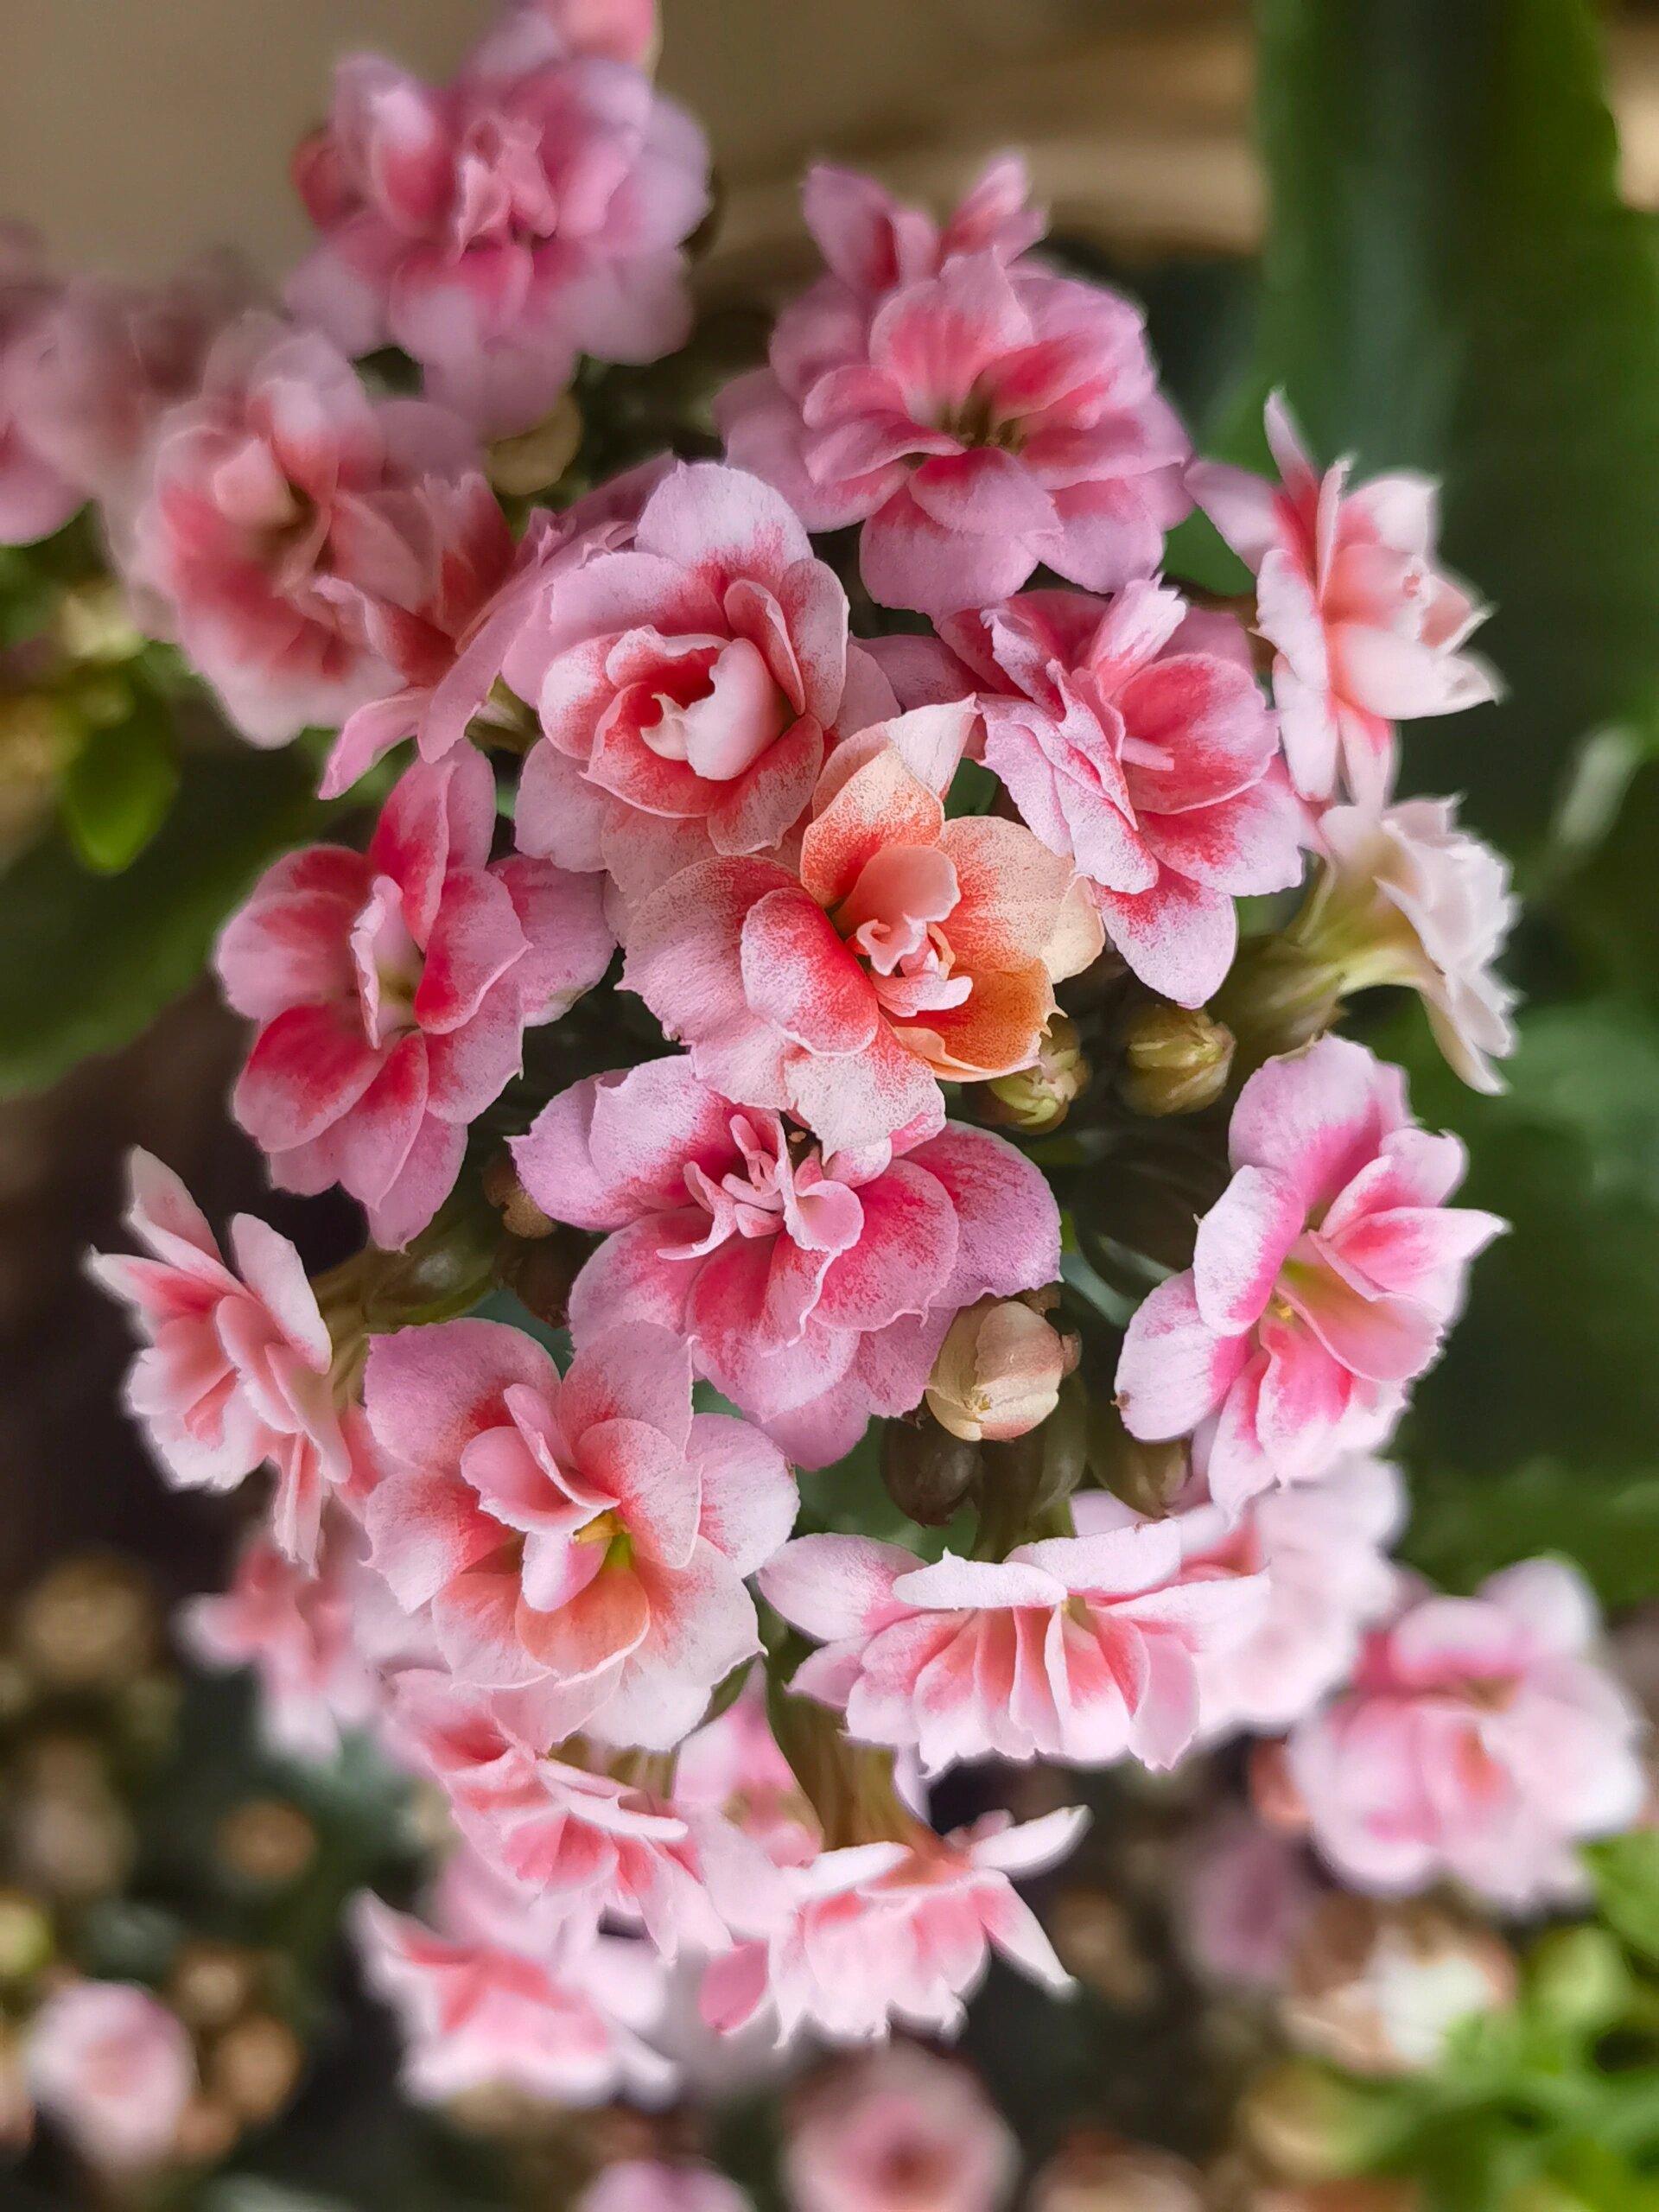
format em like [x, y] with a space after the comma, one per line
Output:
[589, 1534]
[491, 1993]
[1323, 1279]
[612, 30]
[733, 1766]
[1480, 1740]
[897, 2130]
[114, 2067]
[645, 2186]
[311, 547]
[812, 1292]
[234, 1371]
[689, 687]
[35, 498]
[890, 1933]
[1367, 629]
[393, 988]
[1080, 1648]
[979, 421]
[1408, 898]
[872, 242]
[1133, 739]
[907, 949]
[534, 209]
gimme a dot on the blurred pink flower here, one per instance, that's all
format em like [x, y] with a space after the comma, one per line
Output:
[872, 242]
[533, 210]
[1243, 1894]
[114, 2067]
[393, 988]
[643, 2185]
[235, 1368]
[1367, 630]
[312, 547]
[897, 2130]
[812, 1293]
[616, 30]
[35, 498]
[1325, 1278]
[1480, 1740]
[733, 1766]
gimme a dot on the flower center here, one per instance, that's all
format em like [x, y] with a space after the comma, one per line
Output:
[718, 709]
[893, 919]
[978, 423]
[388, 965]
[502, 194]
[606, 1529]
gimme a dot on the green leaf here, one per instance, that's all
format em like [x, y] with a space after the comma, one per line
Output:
[1450, 282]
[90, 960]
[1466, 1526]
[118, 787]
[1626, 1871]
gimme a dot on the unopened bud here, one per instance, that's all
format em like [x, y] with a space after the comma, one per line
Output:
[1307, 2126]
[999, 1371]
[90, 1624]
[1176, 1060]
[929, 1472]
[520, 1214]
[25, 1936]
[540, 1273]
[207, 2129]
[213, 1983]
[267, 1841]
[1278, 997]
[1101, 2173]
[1095, 1937]
[1148, 1478]
[1040, 1096]
[254, 2066]
[1377, 1989]
[529, 462]
[1023, 1481]
[92, 622]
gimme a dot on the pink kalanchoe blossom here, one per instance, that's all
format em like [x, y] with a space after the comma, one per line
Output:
[533, 210]
[1367, 630]
[235, 1368]
[313, 548]
[645, 2186]
[590, 1533]
[689, 687]
[907, 949]
[611, 30]
[732, 1766]
[392, 990]
[1082, 1649]
[1323, 1279]
[1480, 1740]
[872, 242]
[113, 2065]
[890, 1933]
[982, 420]
[1133, 739]
[811, 1291]
[897, 2130]
[492, 1993]
[35, 498]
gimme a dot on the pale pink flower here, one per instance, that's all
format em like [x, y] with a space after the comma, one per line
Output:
[311, 547]
[976, 421]
[591, 1530]
[689, 687]
[234, 1371]
[897, 2130]
[907, 949]
[1322, 1546]
[1367, 630]
[732, 1766]
[393, 988]
[490, 1992]
[1408, 898]
[35, 498]
[1243, 1894]
[887, 1934]
[113, 2065]
[644, 2185]
[497, 227]
[1480, 1740]
[1082, 1649]
[872, 242]
[811, 1291]
[1325, 1278]
[615, 30]
[1133, 739]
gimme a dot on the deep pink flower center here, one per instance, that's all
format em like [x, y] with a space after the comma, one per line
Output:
[891, 920]
[388, 965]
[781, 1185]
[503, 195]
[714, 704]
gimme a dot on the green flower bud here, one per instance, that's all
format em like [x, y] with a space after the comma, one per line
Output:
[1039, 1097]
[1177, 1060]
[929, 1472]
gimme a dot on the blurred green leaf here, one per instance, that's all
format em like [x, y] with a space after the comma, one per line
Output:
[1451, 282]
[90, 960]
[117, 791]
[1464, 1527]
[1626, 1871]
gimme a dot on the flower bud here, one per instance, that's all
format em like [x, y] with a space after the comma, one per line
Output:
[521, 466]
[25, 1936]
[1148, 1478]
[89, 1624]
[1307, 2126]
[1377, 1989]
[1096, 2173]
[1176, 1059]
[1095, 1939]
[928, 1471]
[267, 1841]
[998, 1373]
[539, 1272]
[1280, 995]
[254, 2066]
[1039, 1097]
[520, 1214]
[212, 1983]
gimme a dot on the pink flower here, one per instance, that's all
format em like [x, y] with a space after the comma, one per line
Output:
[889, 1933]
[977, 422]
[616, 30]
[1367, 631]
[642, 2185]
[497, 227]
[235, 1368]
[1243, 1897]
[587, 1846]
[492, 1993]
[733, 1766]
[114, 2067]
[909, 948]
[1081, 1648]
[590, 1533]
[1133, 739]
[897, 2130]
[1323, 1279]
[689, 687]
[313, 547]
[35, 498]
[1480, 1740]
[871, 242]
[1321, 1546]
[811, 1293]
[393, 988]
